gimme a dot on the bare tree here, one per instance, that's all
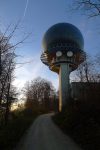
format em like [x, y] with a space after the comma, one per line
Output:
[90, 7]
[88, 71]
[7, 66]
[39, 93]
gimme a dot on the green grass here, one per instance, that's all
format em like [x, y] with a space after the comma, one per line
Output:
[81, 121]
[13, 131]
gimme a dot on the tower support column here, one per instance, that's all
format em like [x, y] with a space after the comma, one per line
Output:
[64, 92]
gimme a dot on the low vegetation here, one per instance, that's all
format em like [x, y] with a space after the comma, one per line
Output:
[81, 121]
[19, 122]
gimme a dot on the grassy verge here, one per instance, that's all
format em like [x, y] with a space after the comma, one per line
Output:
[81, 121]
[13, 131]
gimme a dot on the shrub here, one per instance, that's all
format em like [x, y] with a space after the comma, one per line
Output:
[82, 122]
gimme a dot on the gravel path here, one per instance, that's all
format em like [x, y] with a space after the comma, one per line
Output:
[45, 135]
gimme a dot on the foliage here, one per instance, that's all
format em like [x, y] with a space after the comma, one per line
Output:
[81, 121]
[13, 131]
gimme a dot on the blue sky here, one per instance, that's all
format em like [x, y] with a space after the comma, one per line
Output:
[36, 17]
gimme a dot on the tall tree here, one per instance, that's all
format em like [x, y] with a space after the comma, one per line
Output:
[39, 93]
[7, 66]
[88, 71]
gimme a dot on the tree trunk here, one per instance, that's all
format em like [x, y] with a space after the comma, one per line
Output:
[7, 105]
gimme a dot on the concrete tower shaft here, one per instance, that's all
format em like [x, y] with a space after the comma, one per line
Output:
[63, 46]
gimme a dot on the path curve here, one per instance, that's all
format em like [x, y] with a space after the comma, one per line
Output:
[45, 135]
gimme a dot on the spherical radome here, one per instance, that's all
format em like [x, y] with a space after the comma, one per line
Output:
[65, 33]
